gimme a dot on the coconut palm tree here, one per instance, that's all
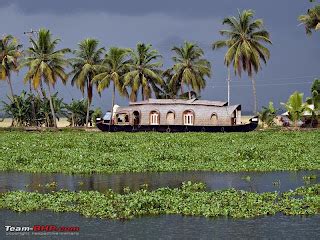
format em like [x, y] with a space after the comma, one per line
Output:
[190, 68]
[46, 64]
[113, 68]
[86, 58]
[311, 20]
[10, 52]
[245, 41]
[144, 71]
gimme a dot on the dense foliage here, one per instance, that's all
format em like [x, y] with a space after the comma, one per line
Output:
[190, 200]
[33, 110]
[87, 152]
[268, 115]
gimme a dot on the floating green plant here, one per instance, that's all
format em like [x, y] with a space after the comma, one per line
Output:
[246, 178]
[95, 152]
[190, 199]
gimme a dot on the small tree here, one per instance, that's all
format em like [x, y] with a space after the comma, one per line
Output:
[268, 114]
[296, 107]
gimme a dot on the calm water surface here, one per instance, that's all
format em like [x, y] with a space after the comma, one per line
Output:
[249, 181]
[169, 227]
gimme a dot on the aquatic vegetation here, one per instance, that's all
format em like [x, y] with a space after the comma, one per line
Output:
[190, 199]
[310, 177]
[89, 152]
[51, 185]
[276, 183]
[246, 178]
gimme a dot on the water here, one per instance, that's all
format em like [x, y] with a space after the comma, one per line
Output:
[169, 226]
[249, 181]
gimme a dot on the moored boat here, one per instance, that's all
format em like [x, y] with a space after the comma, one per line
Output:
[176, 115]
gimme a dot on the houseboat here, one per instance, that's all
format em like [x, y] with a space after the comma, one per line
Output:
[176, 115]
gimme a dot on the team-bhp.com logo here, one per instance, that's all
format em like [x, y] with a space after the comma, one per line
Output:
[42, 230]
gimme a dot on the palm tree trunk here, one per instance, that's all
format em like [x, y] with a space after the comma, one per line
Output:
[189, 92]
[51, 107]
[88, 112]
[43, 92]
[72, 120]
[255, 101]
[228, 82]
[181, 88]
[142, 93]
[34, 120]
[11, 91]
[10, 85]
[113, 98]
[89, 92]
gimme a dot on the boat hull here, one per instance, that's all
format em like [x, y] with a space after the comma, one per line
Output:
[105, 127]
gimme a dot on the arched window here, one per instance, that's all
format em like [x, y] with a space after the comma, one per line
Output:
[170, 118]
[154, 118]
[214, 119]
[188, 118]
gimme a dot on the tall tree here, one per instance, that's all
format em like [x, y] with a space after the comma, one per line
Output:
[190, 68]
[113, 68]
[245, 41]
[86, 58]
[10, 52]
[144, 71]
[311, 20]
[46, 64]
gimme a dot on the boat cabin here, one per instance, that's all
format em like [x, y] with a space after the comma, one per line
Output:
[191, 112]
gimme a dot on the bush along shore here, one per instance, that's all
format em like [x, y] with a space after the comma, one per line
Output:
[89, 152]
[190, 200]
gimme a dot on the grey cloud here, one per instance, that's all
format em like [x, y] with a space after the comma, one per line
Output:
[178, 8]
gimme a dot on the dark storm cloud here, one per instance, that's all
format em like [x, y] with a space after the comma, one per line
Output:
[165, 23]
[178, 8]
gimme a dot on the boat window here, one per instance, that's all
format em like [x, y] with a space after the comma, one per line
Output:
[154, 118]
[188, 118]
[214, 119]
[122, 118]
[170, 118]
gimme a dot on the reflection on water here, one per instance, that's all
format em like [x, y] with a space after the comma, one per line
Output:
[249, 181]
[171, 226]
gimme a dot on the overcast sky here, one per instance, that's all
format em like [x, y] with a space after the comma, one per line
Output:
[294, 56]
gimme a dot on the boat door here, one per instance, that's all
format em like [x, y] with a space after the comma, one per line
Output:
[136, 118]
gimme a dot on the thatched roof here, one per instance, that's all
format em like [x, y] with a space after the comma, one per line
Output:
[193, 101]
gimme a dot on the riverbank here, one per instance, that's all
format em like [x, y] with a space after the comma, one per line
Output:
[97, 152]
[190, 199]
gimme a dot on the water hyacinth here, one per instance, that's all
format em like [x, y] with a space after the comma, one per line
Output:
[190, 199]
[95, 152]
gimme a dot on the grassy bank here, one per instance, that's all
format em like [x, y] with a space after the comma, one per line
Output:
[87, 152]
[190, 200]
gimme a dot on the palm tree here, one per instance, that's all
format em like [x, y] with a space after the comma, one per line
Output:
[296, 107]
[311, 20]
[144, 72]
[87, 57]
[113, 68]
[245, 41]
[190, 68]
[46, 64]
[9, 54]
